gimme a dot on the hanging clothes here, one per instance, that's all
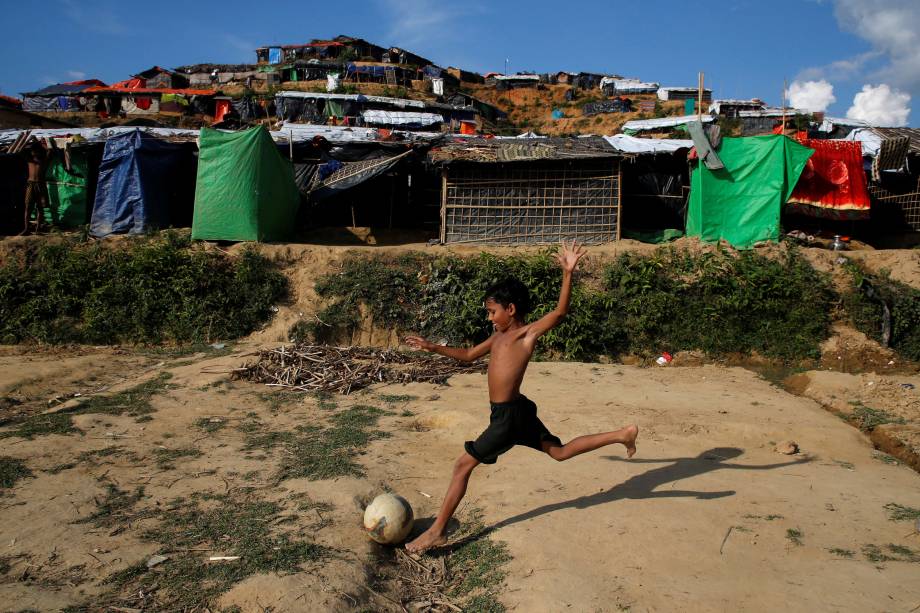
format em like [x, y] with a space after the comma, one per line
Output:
[833, 183]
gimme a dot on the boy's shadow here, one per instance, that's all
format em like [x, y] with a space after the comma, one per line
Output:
[643, 486]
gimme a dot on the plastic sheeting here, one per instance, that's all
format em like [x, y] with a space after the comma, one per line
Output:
[664, 122]
[245, 189]
[629, 86]
[871, 142]
[67, 189]
[741, 203]
[136, 180]
[397, 118]
[631, 144]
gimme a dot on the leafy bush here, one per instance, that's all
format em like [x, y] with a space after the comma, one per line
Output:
[716, 302]
[865, 305]
[150, 291]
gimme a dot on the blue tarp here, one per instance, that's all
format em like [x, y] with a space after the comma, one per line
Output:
[274, 55]
[374, 71]
[136, 184]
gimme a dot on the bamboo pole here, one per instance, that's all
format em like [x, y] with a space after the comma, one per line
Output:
[699, 104]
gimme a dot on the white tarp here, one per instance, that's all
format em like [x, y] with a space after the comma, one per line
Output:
[664, 122]
[631, 144]
[302, 132]
[870, 141]
[396, 118]
[716, 105]
[517, 77]
[332, 81]
[437, 86]
[397, 102]
[630, 86]
[773, 112]
[96, 134]
[664, 93]
[831, 123]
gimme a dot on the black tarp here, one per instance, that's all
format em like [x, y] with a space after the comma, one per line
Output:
[653, 192]
[13, 175]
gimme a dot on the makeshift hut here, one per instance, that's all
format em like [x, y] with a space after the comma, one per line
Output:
[893, 155]
[741, 202]
[56, 98]
[656, 184]
[245, 189]
[145, 183]
[510, 191]
[683, 93]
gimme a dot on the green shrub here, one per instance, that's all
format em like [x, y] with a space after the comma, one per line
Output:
[671, 300]
[864, 306]
[150, 291]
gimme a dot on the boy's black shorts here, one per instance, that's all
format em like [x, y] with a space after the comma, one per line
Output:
[512, 423]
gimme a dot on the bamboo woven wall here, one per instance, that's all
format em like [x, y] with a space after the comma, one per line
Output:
[532, 202]
[908, 203]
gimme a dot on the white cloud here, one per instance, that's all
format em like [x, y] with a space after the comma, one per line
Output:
[416, 22]
[880, 106]
[814, 96]
[76, 75]
[893, 29]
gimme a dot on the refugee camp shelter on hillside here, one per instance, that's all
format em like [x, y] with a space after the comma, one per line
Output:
[245, 189]
[742, 202]
[60, 97]
[540, 191]
[894, 186]
[145, 183]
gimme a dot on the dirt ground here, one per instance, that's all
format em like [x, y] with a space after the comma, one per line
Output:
[708, 516]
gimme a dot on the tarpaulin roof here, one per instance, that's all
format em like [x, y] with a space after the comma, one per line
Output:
[150, 90]
[74, 87]
[153, 71]
[773, 112]
[716, 105]
[486, 150]
[664, 91]
[245, 190]
[517, 77]
[97, 134]
[401, 118]
[631, 144]
[637, 125]
[741, 202]
[397, 102]
[302, 132]
[10, 101]
[628, 85]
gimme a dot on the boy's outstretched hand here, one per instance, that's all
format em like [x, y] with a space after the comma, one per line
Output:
[417, 342]
[568, 256]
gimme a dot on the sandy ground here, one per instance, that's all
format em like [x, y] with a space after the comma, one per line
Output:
[697, 521]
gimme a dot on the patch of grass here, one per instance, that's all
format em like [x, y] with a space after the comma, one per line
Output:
[764, 517]
[890, 553]
[224, 525]
[115, 507]
[11, 471]
[57, 468]
[114, 450]
[325, 453]
[844, 464]
[280, 398]
[898, 512]
[134, 401]
[795, 536]
[406, 413]
[210, 424]
[165, 457]
[885, 458]
[41, 425]
[868, 419]
[841, 553]
[396, 398]
[477, 566]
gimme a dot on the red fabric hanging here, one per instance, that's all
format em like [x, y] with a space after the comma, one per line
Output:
[221, 108]
[833, 184]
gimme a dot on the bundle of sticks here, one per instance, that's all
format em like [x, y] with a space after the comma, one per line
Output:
[346, 369]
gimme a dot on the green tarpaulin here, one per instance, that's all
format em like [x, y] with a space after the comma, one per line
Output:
[741, 203]
[245, 189]
[67, 190]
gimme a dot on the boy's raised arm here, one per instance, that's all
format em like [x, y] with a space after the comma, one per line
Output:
[457, 353]
[568, 258]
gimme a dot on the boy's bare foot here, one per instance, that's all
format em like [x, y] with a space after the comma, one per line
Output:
[633, 432]
[426, 541]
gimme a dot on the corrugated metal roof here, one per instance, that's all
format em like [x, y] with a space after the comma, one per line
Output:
[491, 150]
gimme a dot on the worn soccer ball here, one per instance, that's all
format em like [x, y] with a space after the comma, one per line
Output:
[388, 519]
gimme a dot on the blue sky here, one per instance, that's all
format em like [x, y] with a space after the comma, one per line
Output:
[746, 48]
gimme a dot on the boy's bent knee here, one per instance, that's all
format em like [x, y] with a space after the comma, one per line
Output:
[465, 463]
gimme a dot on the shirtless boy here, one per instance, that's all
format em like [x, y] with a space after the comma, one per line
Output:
[514, 418]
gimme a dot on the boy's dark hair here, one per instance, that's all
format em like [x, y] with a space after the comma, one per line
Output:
[510, 291]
